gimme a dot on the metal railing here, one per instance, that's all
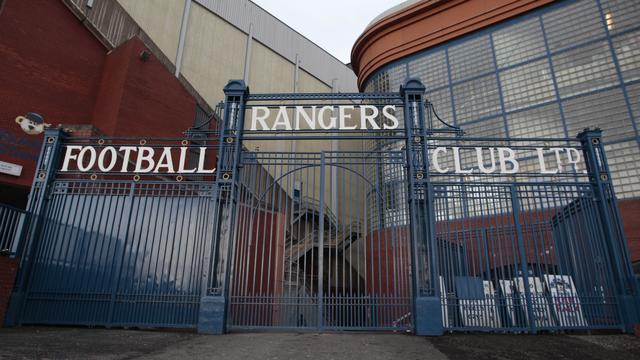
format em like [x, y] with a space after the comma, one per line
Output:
[12, 221]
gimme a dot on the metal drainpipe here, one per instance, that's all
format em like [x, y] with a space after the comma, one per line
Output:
[296, 77]
[247, 55]
[183, 34]
[334, 148]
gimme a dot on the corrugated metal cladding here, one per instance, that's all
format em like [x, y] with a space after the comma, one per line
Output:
[113, 23]
[285, 41]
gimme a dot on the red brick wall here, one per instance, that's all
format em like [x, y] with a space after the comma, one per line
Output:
[630, 213]
[53, 65]
[8, 270]
[50, 64]
[141, 98]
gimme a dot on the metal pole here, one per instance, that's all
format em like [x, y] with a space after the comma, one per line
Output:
[426, 305]
[214, 307]
[183, 34]
[40, 192]
[321, 245]
[614, 242]
[515, 204]
[247, 55]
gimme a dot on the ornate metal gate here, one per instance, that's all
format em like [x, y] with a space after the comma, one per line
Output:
[405, 226]
[312, 250]
[320, 238]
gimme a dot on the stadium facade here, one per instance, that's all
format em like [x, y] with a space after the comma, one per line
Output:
[520, 69]
[468, 187]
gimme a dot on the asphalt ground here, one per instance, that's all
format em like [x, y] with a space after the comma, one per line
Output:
[87, 343]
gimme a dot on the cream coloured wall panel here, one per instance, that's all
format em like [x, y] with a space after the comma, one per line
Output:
[213, 53]
[269, 72]
[161, 20]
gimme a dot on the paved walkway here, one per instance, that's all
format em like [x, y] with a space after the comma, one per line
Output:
[79, 343]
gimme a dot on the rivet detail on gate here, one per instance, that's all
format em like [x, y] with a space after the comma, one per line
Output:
[42, 175]
[93, 177]
[417, 139]
[50, 140]
[419, 175]
[143, 142]
[185, 142]
[604, 177]
[101, 142]
[136, 177]
[229, 140]
[595, 141]
[179, 178]
[226, 176]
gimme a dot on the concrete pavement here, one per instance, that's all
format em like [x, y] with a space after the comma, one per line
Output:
[85, 343]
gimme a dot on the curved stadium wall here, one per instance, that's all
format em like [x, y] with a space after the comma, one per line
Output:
[550, 72]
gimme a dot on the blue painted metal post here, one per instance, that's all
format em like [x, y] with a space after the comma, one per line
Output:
[219, 255]
[524, 267]
[321, 246]
[615, 242]
[427, 308]
[40, 188]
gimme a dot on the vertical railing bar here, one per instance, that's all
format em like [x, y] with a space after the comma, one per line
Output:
[321, 244]
[525, 273]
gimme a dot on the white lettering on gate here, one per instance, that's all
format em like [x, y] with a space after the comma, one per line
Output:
[85, 159]
[481, 161]
[572, 156]
[319, 119]
[462, 160]
[114, 159]
[436, 162]
[507, 155]
[369, 119]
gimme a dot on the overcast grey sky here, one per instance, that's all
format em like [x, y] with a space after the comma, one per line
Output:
[332, 24]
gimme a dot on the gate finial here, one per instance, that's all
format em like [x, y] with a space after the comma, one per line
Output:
[238, 87]
[413, 85]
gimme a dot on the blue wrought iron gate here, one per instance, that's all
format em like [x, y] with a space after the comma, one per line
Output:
[313, 251]
[319, 236]
[413, 227]
[113, 251]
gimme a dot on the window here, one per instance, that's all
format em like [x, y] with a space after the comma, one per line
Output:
[441, 101]
[470, 58]
[627, 49]
[572, 25]
[584, 69]
[623, 161]
[542, 121]
[431, 70]
[634, 97]
[606, 110]
[527, 85]
[519, 42]
[476, 98]
[621, 15]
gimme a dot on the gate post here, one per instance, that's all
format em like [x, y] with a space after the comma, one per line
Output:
[40, 188]
[615, 242]
[427, 308]
[218, 253]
